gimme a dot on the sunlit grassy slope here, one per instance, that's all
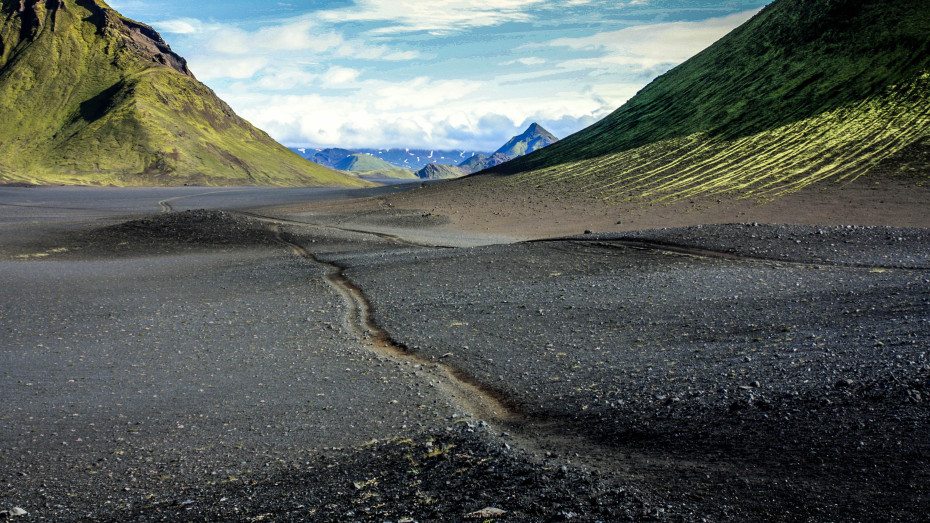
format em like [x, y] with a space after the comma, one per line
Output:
[363, 162]
[89, 97]
[808, 91]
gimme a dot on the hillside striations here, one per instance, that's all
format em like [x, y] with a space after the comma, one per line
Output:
[806, 92]
[90, 97]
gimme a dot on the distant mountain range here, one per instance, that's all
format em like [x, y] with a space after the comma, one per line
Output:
[806, 92]
[88, 96]
[533, 139]
[412, 159]
[428, 165]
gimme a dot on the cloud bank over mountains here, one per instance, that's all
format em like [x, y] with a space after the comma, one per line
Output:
[432, 73]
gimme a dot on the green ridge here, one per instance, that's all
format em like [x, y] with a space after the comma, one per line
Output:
[363, 162]
[808, 91]
[437, 171]
[90, 97]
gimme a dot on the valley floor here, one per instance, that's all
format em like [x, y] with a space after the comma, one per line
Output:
[333, 363]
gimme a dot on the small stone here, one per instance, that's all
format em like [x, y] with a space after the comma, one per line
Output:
[14, 512]
[489, 512]
[588, 231]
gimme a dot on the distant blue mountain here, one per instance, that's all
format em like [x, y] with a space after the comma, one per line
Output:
[413, 159]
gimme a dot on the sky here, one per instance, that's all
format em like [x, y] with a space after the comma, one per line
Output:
[431, 74]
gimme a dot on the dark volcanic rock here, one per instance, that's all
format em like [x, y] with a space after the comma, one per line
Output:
[167, 232]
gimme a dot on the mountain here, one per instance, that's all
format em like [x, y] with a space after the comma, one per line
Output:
[90, 97]
[807, 91]
[327, 157]
[533, 139]
[362, 162]
[474, 163]
[412, 159]
[435, 171]
[480, 162]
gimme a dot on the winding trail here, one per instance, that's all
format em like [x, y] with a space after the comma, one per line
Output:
[536, 434]
[383, 236]
[478, 400]
[166, 203]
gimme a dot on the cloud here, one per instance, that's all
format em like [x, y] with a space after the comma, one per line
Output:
[650, 46]
[338, 76]
[436, 16]
[185, 26]
[301, 36]
[529, 61]
[423, 113]
[304, 36]
[421, 93]
[332, 78]
[362, 51]
[284, 78]
[238, 68]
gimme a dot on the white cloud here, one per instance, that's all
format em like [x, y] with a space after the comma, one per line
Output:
[284, 78]
[420, 93]
[649, 46]
[436, 16]
[302, 36]
[423, 112]
[338, 76]
[529, 61]
[184, 26]
[238, 68]
[311, 82]
[298, 36]
[362, 51]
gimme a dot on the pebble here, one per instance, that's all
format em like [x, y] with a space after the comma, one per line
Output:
[489, 512]
[14, 512]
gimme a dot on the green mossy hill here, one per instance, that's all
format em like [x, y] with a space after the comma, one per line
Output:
[363, 162]
[90, 97]
[436, 171]
[807, 91]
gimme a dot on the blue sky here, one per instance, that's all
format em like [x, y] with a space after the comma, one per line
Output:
[444, 74]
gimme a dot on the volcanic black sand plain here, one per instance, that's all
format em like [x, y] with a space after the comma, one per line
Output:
[199, 354]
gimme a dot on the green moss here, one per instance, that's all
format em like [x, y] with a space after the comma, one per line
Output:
[82, 104]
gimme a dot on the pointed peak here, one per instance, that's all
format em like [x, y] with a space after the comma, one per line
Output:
[537, 130]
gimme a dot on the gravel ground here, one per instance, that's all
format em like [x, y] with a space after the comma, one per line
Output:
[133, 380]
[761, 389]
[843, 245]
[188, 367]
